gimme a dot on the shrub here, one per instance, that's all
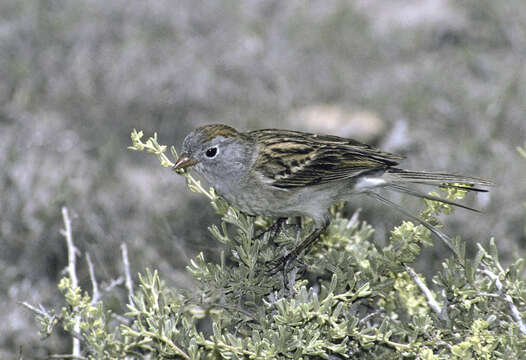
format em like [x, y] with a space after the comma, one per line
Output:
[345, 298]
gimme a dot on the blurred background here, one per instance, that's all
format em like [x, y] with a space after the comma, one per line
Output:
[440, 81]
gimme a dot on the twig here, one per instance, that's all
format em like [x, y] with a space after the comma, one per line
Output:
[152, 145]
[515, 313]
[72, 250]
[489, 294]
[379, 339]
[72, 271]
[42, 311]
[354, 218]
[427, 293]
[235, 308]
[445, 302]
[368, 316]
[121, 319]
[113, 283]
[96, 293]
[127, 275]
[67, 356]
[44, 314]
[167, 341]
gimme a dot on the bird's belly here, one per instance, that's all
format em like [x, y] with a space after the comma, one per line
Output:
[282, 203]
[253, 203]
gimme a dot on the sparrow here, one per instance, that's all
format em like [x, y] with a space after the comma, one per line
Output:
[283, 173]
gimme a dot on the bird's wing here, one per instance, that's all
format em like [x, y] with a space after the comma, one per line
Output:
[289, 159]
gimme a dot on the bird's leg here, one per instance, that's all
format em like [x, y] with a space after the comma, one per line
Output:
[305, 244]
[293, 254]
[297, 223]
[274, 229]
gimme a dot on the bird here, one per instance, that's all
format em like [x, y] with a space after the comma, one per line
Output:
[284, 173]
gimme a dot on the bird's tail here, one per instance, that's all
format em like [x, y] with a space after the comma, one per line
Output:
[394, 175]
[398, 179]
[441, 235]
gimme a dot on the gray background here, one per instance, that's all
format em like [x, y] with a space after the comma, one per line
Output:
[442, 82]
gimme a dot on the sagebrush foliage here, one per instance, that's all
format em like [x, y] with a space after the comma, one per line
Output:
[346, 298]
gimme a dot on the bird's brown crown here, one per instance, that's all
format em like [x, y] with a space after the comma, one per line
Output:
[209, 132]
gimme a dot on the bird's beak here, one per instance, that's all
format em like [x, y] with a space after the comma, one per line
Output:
[184, 161]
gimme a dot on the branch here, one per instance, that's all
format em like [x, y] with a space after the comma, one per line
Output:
[67, 356]
[72, 271]
[354, 219]
[152, 145]
[428, 294]
[44, 315]
[113, 283]
[167, 341]
[515, 313]
[42, 311]
[127, 275]
[96, 293]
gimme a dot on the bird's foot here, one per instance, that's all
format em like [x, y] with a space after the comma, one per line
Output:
[283, 262]
[274, 230]
[279, 264]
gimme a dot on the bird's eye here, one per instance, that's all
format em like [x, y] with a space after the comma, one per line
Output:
[211, 152]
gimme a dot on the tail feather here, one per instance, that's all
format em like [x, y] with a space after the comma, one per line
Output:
[467, 188]
[434, 178]
[396, 179]
[441, 235]
[412, 192]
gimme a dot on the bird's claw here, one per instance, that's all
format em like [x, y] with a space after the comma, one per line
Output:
[276, 265]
